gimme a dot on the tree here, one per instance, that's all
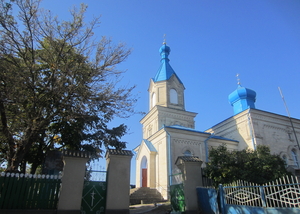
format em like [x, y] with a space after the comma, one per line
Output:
[58, 87]
[258, 166]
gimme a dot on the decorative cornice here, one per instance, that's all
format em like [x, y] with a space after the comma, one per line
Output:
[188, 142]
[278, 128]
[176, 116]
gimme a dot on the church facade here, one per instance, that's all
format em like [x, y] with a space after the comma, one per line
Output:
[169, 130]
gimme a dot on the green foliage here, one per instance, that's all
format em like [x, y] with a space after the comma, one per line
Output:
[257, 166]
[58, 87]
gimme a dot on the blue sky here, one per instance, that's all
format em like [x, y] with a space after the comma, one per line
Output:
[211, 41]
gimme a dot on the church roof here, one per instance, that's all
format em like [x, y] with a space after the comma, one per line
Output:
[194, 130]
[185, 128]
[251, 110]
[165, 70]
[149, 145]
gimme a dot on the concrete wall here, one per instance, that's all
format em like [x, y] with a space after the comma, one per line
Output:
[72, 182]
[192, 177]
[118, 181]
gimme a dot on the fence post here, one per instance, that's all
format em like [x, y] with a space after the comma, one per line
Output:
[118, 181]
[72, 182]
[222, 198]
[190, 167]
[263, 197]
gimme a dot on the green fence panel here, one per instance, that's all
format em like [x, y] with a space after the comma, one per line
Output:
[12, 190]
[42, 199]
[19, 191]
[54, 195]
[19, 197]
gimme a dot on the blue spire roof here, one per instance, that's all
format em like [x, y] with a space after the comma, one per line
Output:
[165, 70]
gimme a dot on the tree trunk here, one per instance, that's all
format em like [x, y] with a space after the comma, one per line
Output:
[23, 167]
[34, 167]
[9, 139]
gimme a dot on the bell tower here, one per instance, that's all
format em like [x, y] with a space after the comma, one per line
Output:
[166, 99]
[166, 89]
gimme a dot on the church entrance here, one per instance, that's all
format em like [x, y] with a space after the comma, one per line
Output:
[144, 177]
[144, 170]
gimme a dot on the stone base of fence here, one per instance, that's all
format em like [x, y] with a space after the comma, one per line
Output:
[28, 211]
[125, 211]
[46, 212]
[68, 212]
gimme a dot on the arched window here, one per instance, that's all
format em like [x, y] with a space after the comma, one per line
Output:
[187, 153]
[144, 163]
[285, 160]
[153, 100]
[173, 96]
[295, 158]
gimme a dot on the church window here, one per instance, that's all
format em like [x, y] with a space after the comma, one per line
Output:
[284, 160]
[144, 163]
[177, 123]
[173, 96]
[295, 158]
[187, 153]
[153, 100]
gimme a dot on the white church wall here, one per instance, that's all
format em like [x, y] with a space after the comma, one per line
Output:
[256, 127]
[142, 153]
[276, 132]
[235, 128]
[160, 175]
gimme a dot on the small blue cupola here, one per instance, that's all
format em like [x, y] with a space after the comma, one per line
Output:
[241, 99]
[165, 70]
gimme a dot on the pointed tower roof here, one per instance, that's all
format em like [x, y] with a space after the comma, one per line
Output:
[165, 70]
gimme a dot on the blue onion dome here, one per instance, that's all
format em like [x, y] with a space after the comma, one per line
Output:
[242, 99]
[242, 93]
[164, 51]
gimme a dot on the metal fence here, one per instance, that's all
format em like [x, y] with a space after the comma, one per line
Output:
[284, 192]
[95, 172]
[27, 191]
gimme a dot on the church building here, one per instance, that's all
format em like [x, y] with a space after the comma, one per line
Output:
[169, 130]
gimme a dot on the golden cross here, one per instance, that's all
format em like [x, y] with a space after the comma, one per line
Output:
[164, 40]
[238, 79]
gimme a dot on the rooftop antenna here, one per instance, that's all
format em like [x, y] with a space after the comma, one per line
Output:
[287, 110]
